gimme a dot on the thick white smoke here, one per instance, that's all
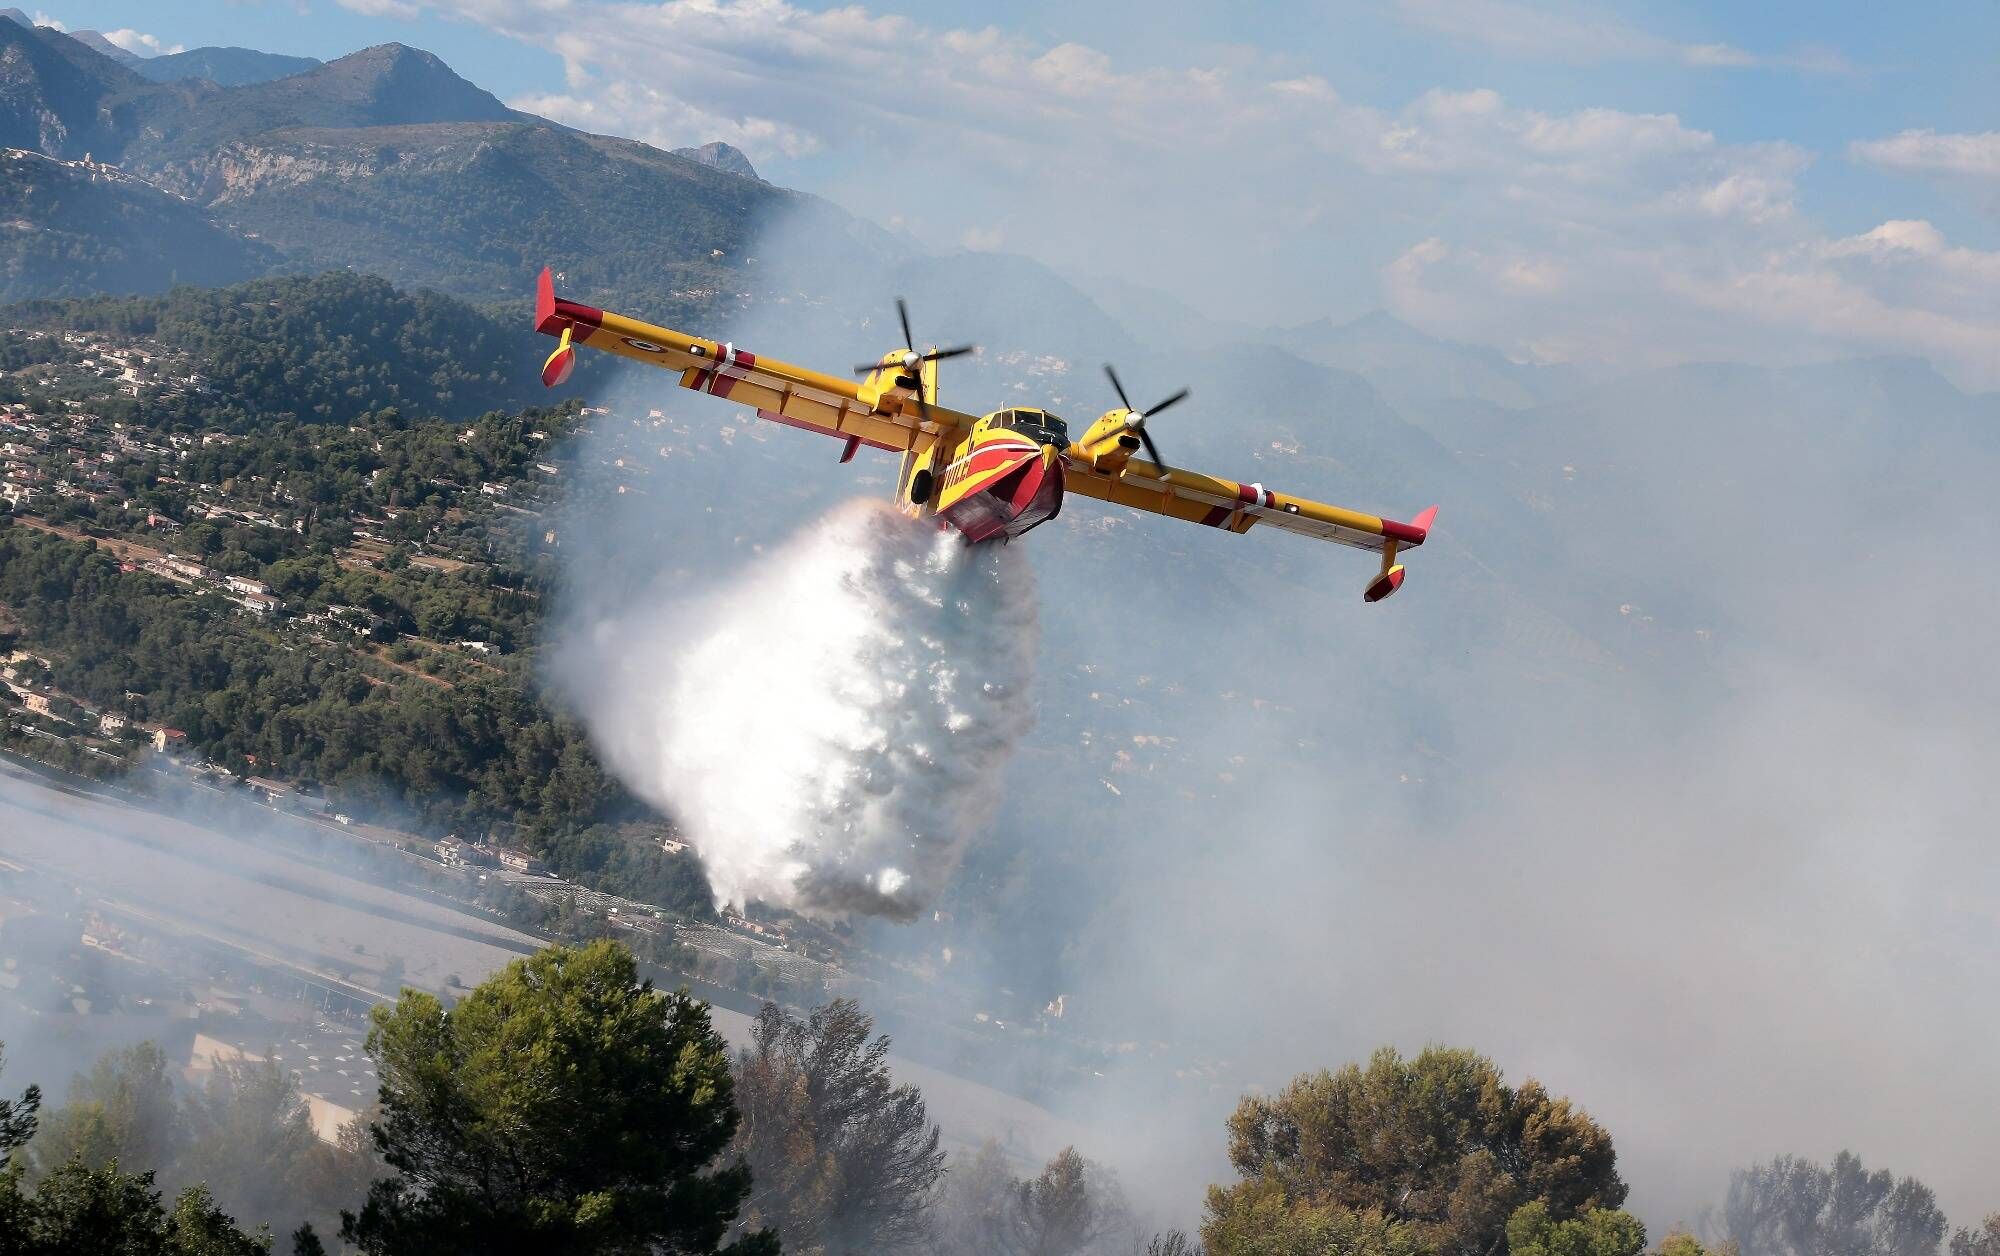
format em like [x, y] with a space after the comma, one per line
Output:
[830, 727]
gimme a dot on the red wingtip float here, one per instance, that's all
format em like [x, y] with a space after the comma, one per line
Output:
[557, 369]
[990, 477]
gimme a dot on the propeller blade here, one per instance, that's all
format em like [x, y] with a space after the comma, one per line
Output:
[956, 351]
[1153, 452]
[867, 368]
[1174, 400]
[1118, 388]
[903, 313]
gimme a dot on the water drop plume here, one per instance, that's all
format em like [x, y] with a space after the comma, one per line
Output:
[831, 726]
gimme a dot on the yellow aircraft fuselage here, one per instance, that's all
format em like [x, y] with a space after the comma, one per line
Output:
[996, 480]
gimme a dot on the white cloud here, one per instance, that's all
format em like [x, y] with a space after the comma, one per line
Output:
[1564, 32]
[401, 10]
[1900, 288]
[644, 113]
[1631, 237]
[141, 44]
[1927, 152]
[43, 19]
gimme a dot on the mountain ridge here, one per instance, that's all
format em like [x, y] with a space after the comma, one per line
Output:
[720, 156]
[105, 232]
[1417, 368]
[96, 42]
[225, 66]
[58, 95]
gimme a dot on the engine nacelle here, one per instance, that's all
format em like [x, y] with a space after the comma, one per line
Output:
[1110, 442]
[892, 379]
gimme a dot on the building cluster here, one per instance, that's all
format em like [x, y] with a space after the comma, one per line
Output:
[94, 977]
[26, 691]
[251, 595]
[455, 852]
[89, 168]
[60, 448]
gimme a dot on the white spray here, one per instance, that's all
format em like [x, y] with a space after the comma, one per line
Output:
[831, 727]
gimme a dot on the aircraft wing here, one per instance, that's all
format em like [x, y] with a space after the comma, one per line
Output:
[1218, 503]
[793, 395]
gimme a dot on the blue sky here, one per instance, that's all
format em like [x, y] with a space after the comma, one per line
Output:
[1563, 179]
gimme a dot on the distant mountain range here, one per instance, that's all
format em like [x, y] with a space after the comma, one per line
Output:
[226, 67]
[385, 161]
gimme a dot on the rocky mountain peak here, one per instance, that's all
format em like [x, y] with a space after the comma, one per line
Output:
[720, 156]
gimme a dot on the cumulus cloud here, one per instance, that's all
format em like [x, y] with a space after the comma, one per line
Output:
[401, 10]
[1927, 152]
[1567, 33]
[1567, 232]
[140, 44]
[644, 113]
[1899, 288]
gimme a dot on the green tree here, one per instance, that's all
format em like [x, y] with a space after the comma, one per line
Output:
[1531, 1231]
[251, 1141]
[1979, 1243]
[1984, 1241]
[842, 1158]
[76, 1209]
[1071, 1207]
[17, 1118]
[1262, 1221]
[978, 1203]
[1437, 1147]
[108, 1213]
[1794, 1207]
[1682, 1243]
[565, 1106]
[121, 1110]
[197, 1227]
[1058, 1213]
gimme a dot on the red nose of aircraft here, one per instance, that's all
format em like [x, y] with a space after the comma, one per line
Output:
[1018, 487]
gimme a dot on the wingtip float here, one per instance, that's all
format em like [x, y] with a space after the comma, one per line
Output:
[992, 476]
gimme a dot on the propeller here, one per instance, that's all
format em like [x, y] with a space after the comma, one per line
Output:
[1135, 418]
[911, 359]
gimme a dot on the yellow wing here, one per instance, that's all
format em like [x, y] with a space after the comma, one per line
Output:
[1218, 503]
[872, 412]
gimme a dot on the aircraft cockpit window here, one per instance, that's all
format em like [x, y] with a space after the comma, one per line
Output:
[1037, 425]
[1045, 428]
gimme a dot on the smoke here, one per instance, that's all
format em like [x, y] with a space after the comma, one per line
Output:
[830, 725]
[1656, 783]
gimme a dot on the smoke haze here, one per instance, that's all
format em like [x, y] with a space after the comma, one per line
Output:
[1656, 782]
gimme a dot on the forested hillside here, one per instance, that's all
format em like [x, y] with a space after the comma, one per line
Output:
[69, 230]
[476, 209]
[360, 454]
[325, 348]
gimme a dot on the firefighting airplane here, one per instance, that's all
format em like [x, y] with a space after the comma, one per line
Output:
[990, 476]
